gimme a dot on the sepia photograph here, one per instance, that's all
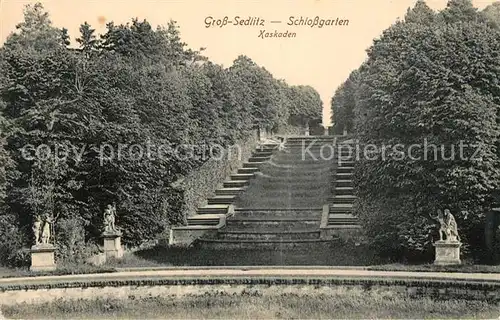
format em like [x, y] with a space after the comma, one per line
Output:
[249, 159]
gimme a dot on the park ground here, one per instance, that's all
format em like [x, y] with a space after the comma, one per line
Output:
[348, 305]
[259, 301]
[158, 257]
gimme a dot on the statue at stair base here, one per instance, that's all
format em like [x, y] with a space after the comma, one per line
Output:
[447, 247]
[185, 236]
[42, 252]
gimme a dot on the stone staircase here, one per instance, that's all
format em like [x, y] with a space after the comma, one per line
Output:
[282, 207]
[340, 217]
[212, 216]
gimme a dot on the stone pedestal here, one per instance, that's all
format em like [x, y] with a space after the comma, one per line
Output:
[447, 252]
[112, 244]
[42, 257]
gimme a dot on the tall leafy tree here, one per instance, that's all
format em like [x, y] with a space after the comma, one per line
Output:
[36, 31]
[88, 39]
[344, 103]
[264, 92]
[414, 89]
[491, 15]
[307, 105]
[420, 13]
[460, 11]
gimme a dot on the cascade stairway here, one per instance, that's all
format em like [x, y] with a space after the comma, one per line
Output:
[282, 206]
[341, 203]
[218, 207]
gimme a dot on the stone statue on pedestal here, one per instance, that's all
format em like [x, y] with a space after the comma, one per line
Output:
[37, 228]
[46, 230]
[109, 219]
[447, 226]
[42, 252]
[111, 234]
[448, 246]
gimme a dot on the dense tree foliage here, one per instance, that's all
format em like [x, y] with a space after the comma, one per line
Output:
[128, 113]
[431, 81]
[343, 104]
[306, 105]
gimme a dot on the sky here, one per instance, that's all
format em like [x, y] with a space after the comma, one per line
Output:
[320, 57]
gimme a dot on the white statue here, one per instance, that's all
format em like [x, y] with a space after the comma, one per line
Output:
[46, 230]
[447, 226]
[109, 219]
[37, 228]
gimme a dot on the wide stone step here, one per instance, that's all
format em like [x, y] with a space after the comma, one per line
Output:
[310, 244]
[270, 235]
[248, 170]
[345, 208]
[345, 169]
[235, 183]
[298, 186]
[299, 154]
[267, 146]
[263, 153]
[342, 219]
[292, 178]
[341, 160]
[296, 165]
[304, 192]
[229, 191]
[326, 147]
[252, 164]
[299, 141]
[242, 176]
[343, 223]
[314, 137]
[207, 222]
[346, 164]
[343, 191]
[307, 161]
[342, 199]
[225, 199]
[343, 183]
[278, 213]
[345, 227]
[297, 172]
[270, 224]
[309, 143]
[213, 209]
[316, 141]
[258, 159]
[204, 220]
[343, 176]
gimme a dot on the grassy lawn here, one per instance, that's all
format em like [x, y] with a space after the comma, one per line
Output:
[342, 254]
[253, 305]
[322, 254]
